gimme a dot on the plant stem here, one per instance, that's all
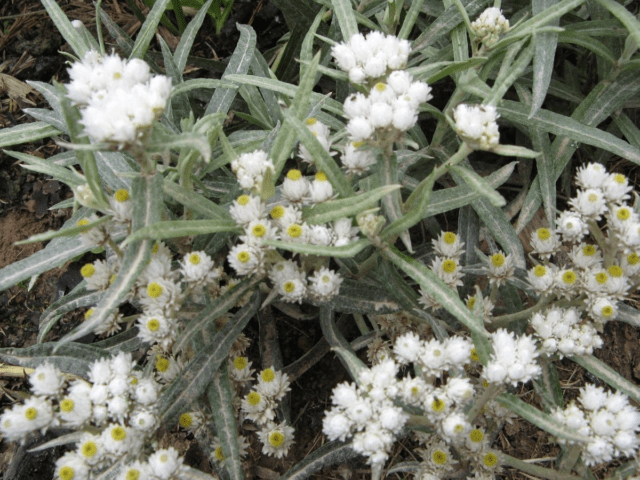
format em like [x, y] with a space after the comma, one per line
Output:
[489, 394]
[115, 248]
[504, 320]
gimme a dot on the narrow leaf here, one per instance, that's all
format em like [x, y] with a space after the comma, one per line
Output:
[543, 57]
[188, 37]
[480, 185]
[609, 375]
[330, 453]
[346, 18]
[72, 36]
[148, 29]
[27, 132]
[345, 251]
[181, 228]
[364, 298]
[195, 202]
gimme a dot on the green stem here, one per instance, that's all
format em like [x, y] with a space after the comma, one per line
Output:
[532, 469]
[443, 125]
[570, 458]
[362, 326]
[115, 248]
[489, 394]
[504, 320]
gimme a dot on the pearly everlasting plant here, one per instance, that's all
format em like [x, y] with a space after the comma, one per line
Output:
[353, 187]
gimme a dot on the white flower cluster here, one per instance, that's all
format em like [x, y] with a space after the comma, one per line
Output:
[119, 100]
[602, 277]
[259, 406]
[561, 331]
[322, 134]
[284, 222]
[371, 56]
[390, 105]
[117, 401]
[513, 359]
[250, 169]
[367, 412]
[476, 125]
[489, 26]
[608, 422]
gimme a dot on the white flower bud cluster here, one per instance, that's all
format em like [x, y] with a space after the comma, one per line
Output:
[285, 223]
[259, 406]
[434, 357]
[119, 99]
[606, 420]
[321, 132]
[561, 331]
[513, 359]
[117, 400]
[489, 26]
[391, 105]
[250, 169]
[601, 194]
[476, 125]
[367, 412]
[371, 56]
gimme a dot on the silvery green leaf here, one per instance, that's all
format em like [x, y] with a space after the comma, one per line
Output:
[113, 168]
[187, 38]
[73, 437]
[67, 232]
[148, 29]
[195, 202]
[480, 185]
[539, 419]
[127, 341]
[27, 132]
[76, 358]
[339, 344]
[239, 62]
[194, 140]
[78, 298]
[181, 228]
[221, 398]
[346, 18]
[625, 17]
[363, 298]
[37, 164]
[345, 251]
[51, 117]
[609, 375]
[543, 58]
[331, 453]
[74, 38]
[196, 376]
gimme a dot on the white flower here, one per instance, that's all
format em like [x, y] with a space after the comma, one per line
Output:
[295, 187]
[247, 208]
[542, 278]
[137, 470]
[121, 206]
[250, 169]
[321, 235]
[272, 383]
[154, 327]
[198, 268]
[71, 466]
[143, 420]
[544, 242]
[285, 216]
[165, 463]
[336, 425]
[603, 309]
[345, 232]
[592, 175]
[146, 391]
[513, 359]
[240, 369]
[455, 426]
[324, 284]
[246, 259]
[360, 129]
[162, 294]
[589, 203]
[293, 289]
[258, 408]
[616, 187]
[489, 25]
[75, 408]
[320, 189]
[448, 270]
[476, 125]
[116, 438]
[276, 439]
[91, 449]
[46, 380]
[500, 268]
[571, 226]
[97, 275]
[448, 244]
[357, 105]
[357, 160]
[407, 347]
[36, 413]
[585, 256]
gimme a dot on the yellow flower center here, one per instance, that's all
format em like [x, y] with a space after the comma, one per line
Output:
[437, 405]
[194, 259]
[153, 325]
[243, 200]
[592, 197]
[164, 458]
[83, 222]
[88, 313]
[449, 266]
[607, 311]
[294, 174]
[476, 436]
[569, 277]
[381, 87]
[121, 195]
[543, 233]
[633, 258]
[277, 212]
[449, 238]
[321, 177]
[474, 355]
[311, 121]
[540, 271]
[588, 250]
[471, 302]
[490, 459]
[615, 271]
[154, 290]
[602, 278]
[219, 454]
[268, 375]
[619, 178]
[497, 259]
[358, 144]
[258, 231]
[88, 270]
[134, 380]
[66, 473]
[31, 413]
[244, 256]
[156, 247]
[623, 214]
[132, 474]
[294, 230]
[289, 287]
[439, 457]
[162, 364]
[117, 75]
[67, 405]
[326, 279]
[254, 398]
[89, 449]
[240, 363]
[415, 391]
[276, 439]
[112, 278]
[185, 420]
[118, 434]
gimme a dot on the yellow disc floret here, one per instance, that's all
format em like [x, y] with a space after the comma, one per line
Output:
[294, 230]
[471, 302]
[623, 214]
[476, 435]
[219, 454]
[153, 325]
[607, 311]
[437, 405]
[253, 398]
[321, 177]
[121, 195]
[185, 420]
[449, 265]
[88, 313]
[449, 238]
[439, 457]
[88, 270]
[569, 277]
[258, 231]
[244, 256]
[66, 473]
[497, 260]
[602, 278]
[588, 250]
[543, 233]
[311, 121]
[633, 258]
[381, 87]
[67, 405]
[592, 197]
[289, 287]
[276, 439]
[194, 259]
[490, 459]
[31, 413]
[294, 174]
[615, 271]
[540, 271]
[89, 449]
[162, 364]
[118, 434]
[243, 200]
[277, 212]
[132, 474]
[474, 355]
[240, 363]
[154, 290]
[267, 375]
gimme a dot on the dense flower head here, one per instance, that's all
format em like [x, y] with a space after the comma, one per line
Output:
[476, 125]
[561, 331]
[489, 26]
[513, 359]
[119, 99]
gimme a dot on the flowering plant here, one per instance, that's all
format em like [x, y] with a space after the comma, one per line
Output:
[319, 203]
